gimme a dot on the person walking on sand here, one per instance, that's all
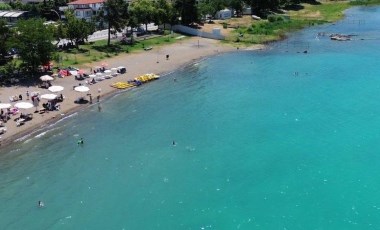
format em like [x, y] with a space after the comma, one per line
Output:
[98, 98]
[27, 95]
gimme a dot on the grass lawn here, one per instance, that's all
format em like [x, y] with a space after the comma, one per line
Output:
[264, 31]
[96, 51]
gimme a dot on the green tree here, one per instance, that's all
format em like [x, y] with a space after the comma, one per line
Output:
[5, 35]
[164, 12]
[33, 40]
[77, 30]
[206, 8]
[144, 11]
[115, 14]
[16, 5]
[60, 32]
[187, 10]
[237, 5]
[5, 6]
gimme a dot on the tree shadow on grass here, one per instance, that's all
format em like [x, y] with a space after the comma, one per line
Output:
[297, 7]
[113, 48]
[294, 7]
[311, 2]
[76, 51]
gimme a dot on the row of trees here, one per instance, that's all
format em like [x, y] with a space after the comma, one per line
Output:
[34, 41]
[118, 14]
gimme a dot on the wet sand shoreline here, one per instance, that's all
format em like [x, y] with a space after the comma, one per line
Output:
[181, 54]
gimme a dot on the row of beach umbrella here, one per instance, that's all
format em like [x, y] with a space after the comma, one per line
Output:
[53, 89]
[48, 96]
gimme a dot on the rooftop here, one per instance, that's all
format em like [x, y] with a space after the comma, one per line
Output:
[85, 2]
[11, 14]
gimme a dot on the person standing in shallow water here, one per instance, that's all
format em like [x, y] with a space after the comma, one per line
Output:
[40, 204]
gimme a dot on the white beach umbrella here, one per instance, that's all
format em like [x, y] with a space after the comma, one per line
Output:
[114, 69]
[49, 96]
[99, 74]
[81, 88]
[92, 75]
[121, 67]
[107, 71]
[5, 105]
[55, 88]
[46, 78]
[23, 105]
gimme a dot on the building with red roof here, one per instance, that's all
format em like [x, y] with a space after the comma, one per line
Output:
[86, 8]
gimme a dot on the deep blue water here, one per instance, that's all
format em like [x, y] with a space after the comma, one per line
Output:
[272, 139]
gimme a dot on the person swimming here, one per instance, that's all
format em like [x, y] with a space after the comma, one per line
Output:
[174, 144]
[40, 204]
[80, 142]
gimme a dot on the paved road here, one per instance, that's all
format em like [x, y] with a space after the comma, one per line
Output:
[103, 34]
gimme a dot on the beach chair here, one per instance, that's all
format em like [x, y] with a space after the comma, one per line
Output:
[20, 122]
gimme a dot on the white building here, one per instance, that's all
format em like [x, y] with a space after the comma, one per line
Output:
[86, 8]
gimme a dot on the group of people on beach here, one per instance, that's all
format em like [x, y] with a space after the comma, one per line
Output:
[5, 115]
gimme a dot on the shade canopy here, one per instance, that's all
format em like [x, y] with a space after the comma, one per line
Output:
[81, 88]
[23, 105]
[107, 71]
[55, 88]
[46, 78]
[49, 96]
[5, 105]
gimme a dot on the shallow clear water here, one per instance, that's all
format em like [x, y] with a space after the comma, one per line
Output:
[274, 139]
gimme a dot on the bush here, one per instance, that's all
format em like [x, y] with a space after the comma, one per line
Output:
[276, 18]
[4, 6]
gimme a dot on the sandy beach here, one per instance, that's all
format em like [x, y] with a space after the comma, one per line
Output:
[152, 61]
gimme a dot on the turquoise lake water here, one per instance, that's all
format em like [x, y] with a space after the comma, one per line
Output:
[273, 139]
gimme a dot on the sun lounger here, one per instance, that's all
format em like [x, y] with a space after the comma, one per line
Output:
[148, 48]
[13, 98]
[20, 122]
